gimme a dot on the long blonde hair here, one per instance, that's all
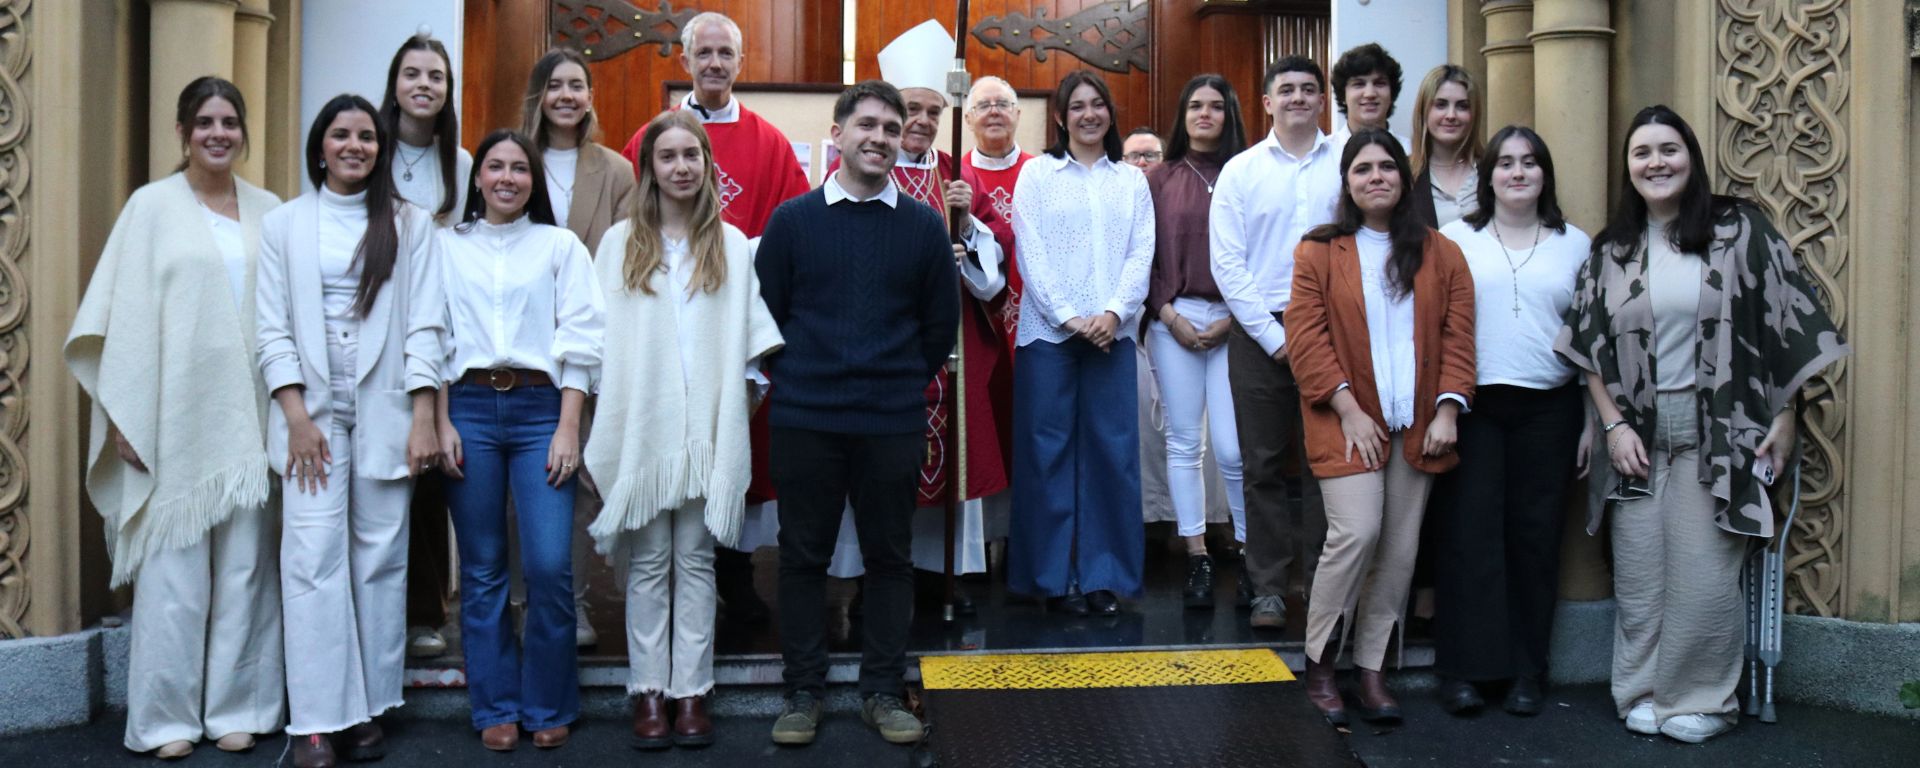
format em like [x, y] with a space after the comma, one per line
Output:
[705, 240]
[1422, 149]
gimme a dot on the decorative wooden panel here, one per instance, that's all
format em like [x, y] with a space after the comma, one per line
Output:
[603, 29]
[502, 39]
[1109, 35]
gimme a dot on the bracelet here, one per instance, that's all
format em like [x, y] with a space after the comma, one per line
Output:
[1609, 428]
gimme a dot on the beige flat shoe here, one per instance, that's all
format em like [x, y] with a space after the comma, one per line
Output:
[235, 742]
[174, 750]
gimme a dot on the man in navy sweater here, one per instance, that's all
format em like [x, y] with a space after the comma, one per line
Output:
[861, 280]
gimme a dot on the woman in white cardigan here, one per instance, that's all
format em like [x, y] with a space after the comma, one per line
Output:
[177, 459]
[685, 329]
[351, 316]
[524, 321]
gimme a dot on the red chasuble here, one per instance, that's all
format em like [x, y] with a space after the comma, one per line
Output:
[757, 172]
[989, 368]
[997, 186]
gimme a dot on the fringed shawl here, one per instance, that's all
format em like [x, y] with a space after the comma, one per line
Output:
[1762, 334]
[167, 356]
[663, 436]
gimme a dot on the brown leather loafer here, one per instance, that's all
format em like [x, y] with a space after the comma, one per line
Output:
[313, 751]
[501, 738]
[363, 742]
[691, 725]
[650, 730]
[551, 737]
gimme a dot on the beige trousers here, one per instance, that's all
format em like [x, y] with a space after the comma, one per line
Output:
[1680, 621]
[671, 604]
[1373, 534]
[206, 654]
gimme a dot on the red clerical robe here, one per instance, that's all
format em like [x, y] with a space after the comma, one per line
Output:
[986, 357]
[997, 185]
[757, 172]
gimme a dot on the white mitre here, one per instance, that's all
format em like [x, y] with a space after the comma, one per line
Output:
[919, 58]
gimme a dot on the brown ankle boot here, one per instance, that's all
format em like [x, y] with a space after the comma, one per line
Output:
[313, 751]
[650, 728]
[1376, 704]
[1323, 692]
[691, 725]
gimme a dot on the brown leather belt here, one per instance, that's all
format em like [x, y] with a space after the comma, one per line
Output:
[506, 379]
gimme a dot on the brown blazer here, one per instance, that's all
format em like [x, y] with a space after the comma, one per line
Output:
[1327, 344]
[602, 186]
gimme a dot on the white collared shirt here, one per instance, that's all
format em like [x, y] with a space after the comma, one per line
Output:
[1085, 237]
[1389, 329]
[985, 163]
[1263, 202]
[727, 114]
[835, 193]
[522, 295]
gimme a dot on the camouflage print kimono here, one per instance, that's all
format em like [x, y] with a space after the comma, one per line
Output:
[1762, 334]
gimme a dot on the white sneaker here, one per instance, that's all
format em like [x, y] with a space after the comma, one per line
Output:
[1695, 729]
[425, 642]
[583, 634]
[1640, 719]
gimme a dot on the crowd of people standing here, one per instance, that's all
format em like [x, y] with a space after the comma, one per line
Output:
[573, 352]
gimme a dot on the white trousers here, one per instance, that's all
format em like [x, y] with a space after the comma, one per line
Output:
[1193, 390]
[343, 582]
[671, 604]
[206, 658]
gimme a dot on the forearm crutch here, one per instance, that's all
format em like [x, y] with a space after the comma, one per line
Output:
[1766, 582]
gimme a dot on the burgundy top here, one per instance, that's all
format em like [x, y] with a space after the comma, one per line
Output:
[1181, 199]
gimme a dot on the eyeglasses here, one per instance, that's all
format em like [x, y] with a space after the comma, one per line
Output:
[995, 106]
[1139, 157]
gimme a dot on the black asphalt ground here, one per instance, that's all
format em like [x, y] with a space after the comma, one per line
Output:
[1577, 730]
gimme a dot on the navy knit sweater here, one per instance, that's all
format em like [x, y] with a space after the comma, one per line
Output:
[866, 297]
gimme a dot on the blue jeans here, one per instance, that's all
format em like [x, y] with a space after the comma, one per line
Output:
[1076, 471]
[505, 437]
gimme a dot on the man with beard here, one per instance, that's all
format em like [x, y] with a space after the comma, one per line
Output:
[757, 172]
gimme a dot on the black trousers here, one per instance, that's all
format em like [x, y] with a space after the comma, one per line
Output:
[427, 553]
[1266, 408]
[1497, 564]
[818, 474]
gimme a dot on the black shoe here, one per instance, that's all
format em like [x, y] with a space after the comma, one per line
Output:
[1103, 603]
[1523, 698]
[1199, 591]
[1243, 594]
[1072, 603]
[962, 602]
[1459, 698]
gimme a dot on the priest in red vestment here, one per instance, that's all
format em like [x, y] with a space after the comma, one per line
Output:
[991, 168]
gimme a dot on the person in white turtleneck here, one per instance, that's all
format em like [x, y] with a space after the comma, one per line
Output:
[525, 320]
[350, 314]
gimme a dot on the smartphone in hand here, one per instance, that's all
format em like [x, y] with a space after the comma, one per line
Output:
[1763, 469]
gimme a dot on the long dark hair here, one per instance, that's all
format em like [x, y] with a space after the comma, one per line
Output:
[380, 246]
[446, 124]
[1407, 232]
[1692, 230]
[1547, 207]
[195, 96]
[1233, 135]
[533, 117]
[1063, 138]
[539, 205]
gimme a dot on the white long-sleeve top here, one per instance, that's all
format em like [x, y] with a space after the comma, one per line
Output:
[1389, 330]
[343, 224]
[1085, 238]
[522, 295]
[425, 188]
[1263, 202]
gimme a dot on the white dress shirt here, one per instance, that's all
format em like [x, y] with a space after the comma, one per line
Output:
[1263, 202]
[1516, 348]
[1389, 330]
[1085, 236]
[562, 165]
[522, 295]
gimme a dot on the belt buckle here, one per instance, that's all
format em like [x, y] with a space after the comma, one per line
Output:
[493, 379]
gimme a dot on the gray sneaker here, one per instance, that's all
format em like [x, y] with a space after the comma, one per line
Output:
[798, 721]
[889, 715]
[1269, 612]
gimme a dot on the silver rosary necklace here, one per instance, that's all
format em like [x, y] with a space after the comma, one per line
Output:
[1515, 268]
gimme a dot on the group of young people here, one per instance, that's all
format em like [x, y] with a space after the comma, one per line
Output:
[1418, 317]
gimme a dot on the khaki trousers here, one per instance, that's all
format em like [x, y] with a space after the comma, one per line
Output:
[1373, 535]
[1680, 621]
[206, 657]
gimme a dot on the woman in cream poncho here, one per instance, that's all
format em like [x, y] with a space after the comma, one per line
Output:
[177, 460]
[685, 325]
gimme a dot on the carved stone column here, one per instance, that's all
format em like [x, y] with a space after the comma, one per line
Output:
[188, 38]
[1570, 42]
[1509, 62]
[251, 24]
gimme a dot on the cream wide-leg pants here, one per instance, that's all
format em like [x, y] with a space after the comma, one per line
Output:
[206, 657]
[671, 603]
[343, 580]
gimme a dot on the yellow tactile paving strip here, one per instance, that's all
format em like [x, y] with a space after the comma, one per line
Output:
[1127, 669]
